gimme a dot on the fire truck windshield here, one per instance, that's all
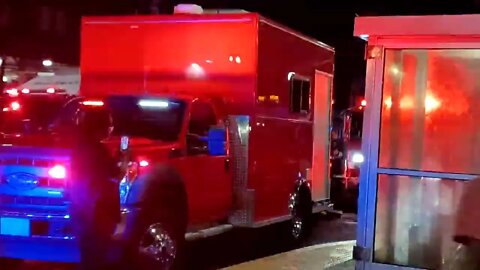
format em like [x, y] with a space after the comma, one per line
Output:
[29, 114]
[155, 119]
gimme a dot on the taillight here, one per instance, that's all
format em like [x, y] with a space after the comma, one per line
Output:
[58, 172]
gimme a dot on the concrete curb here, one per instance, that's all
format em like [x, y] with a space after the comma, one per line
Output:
[320, 256]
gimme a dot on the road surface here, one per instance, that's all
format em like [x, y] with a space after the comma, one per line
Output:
[244, 245]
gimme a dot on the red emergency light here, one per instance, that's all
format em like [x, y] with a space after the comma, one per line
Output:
[12, 92]
[363, 103]
[14, 106]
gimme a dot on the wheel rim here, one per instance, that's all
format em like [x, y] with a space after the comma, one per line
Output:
[297, 226]
[159, 247]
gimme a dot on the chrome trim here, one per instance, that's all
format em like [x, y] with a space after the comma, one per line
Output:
[34, 215]
[39, 237]
[158, 246]
[243, 198]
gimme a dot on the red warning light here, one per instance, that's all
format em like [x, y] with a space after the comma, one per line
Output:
[363, 103]
[12, 92]
[14, 106]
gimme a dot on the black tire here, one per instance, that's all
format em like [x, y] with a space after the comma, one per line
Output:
[301, 211]
[164, 213]
[10, 264]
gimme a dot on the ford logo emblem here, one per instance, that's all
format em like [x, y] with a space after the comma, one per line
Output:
[22, 180]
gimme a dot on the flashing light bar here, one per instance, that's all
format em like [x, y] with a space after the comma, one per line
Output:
[153, 103]
[93, 103]
[12, 92]
[58, 172]
[25, 91]
[51, 90]
[14, 106]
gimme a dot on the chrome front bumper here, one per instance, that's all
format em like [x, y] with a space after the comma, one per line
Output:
[55, 247]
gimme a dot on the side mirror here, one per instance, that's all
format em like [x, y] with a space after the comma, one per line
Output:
[217, 141]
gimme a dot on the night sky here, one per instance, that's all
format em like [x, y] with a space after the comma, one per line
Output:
[330, 21]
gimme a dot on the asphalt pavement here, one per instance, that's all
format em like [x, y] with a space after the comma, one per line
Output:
[244, 245]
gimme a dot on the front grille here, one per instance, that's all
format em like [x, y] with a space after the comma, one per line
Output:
[41, 163]
[44, 182]
[34, 201]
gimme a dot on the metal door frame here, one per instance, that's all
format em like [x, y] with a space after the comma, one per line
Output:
[371, 140]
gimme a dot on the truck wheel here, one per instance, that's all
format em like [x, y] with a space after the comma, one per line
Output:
[159, 234]
[159, 248]
[301, 211]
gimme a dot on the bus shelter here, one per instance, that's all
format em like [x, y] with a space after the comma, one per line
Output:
[421, 137]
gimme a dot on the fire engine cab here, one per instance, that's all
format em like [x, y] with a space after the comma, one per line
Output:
[221, 121]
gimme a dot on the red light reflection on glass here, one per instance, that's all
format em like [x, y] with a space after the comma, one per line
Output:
[431, 103]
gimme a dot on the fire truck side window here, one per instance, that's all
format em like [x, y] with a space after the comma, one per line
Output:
[300, 90]
[202, 117]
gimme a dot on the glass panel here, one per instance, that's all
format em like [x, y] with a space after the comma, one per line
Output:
[415, 220]
[430, 112]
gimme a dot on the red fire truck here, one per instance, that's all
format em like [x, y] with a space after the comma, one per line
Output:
[222, 121]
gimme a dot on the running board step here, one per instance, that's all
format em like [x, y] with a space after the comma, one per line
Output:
[192, 236]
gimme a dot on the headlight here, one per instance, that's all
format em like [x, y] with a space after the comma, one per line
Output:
[357, 158]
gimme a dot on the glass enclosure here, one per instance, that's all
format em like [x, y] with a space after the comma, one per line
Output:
[430, 112]
[428, 126]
